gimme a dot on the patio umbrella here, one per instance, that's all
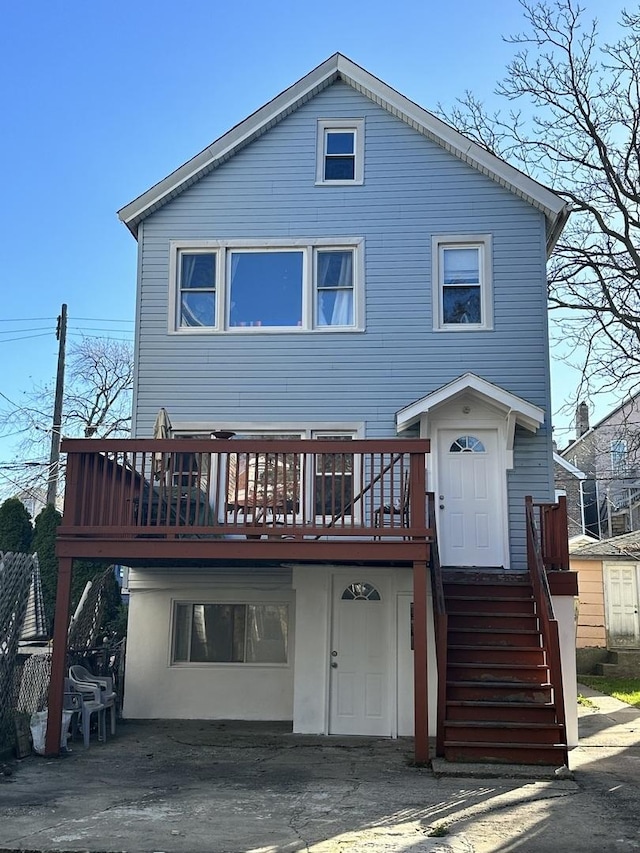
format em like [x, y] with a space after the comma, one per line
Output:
[161, 429]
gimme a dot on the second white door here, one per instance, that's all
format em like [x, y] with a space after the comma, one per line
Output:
[359, 658]
[470, 498]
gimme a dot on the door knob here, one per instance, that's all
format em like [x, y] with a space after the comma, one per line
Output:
[334, 665]
[441, 506]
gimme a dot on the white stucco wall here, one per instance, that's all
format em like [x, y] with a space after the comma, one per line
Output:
[298, 690]
[564, 608]
[156, 689]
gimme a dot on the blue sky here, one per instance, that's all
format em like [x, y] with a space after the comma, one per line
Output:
[100, 100]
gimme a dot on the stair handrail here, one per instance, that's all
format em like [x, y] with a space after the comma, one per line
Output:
[544, 607]
[440, 622]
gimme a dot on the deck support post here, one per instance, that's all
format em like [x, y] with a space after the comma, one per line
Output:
[421, 697]
[59, 656]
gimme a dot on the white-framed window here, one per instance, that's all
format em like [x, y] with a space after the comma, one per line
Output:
[462, 282]
[222, 632]
[196, 285]
[340, 152]
[334, 479]
[266, 286]
[618, 453]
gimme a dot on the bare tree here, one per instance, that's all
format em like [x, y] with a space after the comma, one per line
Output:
[577, 129]
[97, 404]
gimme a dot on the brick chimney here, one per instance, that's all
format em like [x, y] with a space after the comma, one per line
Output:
[582, 419]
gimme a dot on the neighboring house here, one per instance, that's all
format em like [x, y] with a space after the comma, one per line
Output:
[337, 294]
[608, 453]
[609, 603]
[570, 482]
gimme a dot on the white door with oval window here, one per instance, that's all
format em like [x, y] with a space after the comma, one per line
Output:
[469, 499]
[359, 659]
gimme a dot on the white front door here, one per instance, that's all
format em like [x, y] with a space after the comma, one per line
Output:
[623, 621]
[359, 655]
[469, 498]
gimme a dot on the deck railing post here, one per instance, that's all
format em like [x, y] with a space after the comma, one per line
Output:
[59, 656]
[421, 697]
[417, 491]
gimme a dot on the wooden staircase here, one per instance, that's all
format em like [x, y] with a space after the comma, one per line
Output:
[499, 700]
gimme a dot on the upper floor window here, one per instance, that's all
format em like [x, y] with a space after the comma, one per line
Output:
[618, 450]
[234, 286]
[197, 289]
[462, 283]
[340, 152]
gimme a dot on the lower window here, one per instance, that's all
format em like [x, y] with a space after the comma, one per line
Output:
[230, 633]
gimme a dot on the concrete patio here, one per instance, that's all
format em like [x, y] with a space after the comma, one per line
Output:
[204, 787]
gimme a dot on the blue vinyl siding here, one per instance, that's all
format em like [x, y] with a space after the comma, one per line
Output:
[412, 189]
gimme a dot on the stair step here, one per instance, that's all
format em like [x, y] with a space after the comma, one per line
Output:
[488, 731]
[475, 604]
[480, 673]
[517, 712]
[470, 620]
[496, 654]
[498, 637]
[506, 753]
[492, 691]
[498, 693]
[495, 591]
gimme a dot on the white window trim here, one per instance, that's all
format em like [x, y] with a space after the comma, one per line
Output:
[483, 242]
[618, 456]
[307, 245]
[357, 126]
[226, 664]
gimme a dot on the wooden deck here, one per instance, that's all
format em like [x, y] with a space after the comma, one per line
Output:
[206, 500]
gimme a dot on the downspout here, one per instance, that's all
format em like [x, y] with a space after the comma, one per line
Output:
[582, 515]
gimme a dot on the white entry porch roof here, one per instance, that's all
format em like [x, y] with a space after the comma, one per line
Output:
[515, 409]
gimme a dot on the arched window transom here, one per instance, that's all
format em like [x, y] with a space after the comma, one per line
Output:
[467, 444]
[360, 591]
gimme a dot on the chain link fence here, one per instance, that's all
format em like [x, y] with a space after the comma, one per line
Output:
[25, 677]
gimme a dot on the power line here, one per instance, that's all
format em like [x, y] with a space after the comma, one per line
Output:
[33, 329]
[25, 338]
[27, 319]
[102, 320]
[53, 319]
[96, 329]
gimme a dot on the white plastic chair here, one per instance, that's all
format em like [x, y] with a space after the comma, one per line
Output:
[81, 678]
[89, 703]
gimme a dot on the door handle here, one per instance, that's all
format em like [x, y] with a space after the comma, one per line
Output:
[334, 665]
[441, 506]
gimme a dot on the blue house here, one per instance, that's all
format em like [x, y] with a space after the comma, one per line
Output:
[341, 312]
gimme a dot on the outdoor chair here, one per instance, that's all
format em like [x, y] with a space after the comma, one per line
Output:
[401, 508]
[83, 680]
[84, 702]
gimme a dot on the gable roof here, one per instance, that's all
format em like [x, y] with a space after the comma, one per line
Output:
[626, 547]
[568, 466]
[631, 402]
[338, 67]
[526, 414]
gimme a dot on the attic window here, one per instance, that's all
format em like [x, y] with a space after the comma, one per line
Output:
[340, 152]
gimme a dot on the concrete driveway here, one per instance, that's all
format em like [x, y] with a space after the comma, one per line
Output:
[202, 787]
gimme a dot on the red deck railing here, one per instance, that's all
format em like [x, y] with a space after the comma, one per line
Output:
[544, 550]
[221, 489]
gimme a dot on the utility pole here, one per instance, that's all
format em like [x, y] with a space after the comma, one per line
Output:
[54, 459]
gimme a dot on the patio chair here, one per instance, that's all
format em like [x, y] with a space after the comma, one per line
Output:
[401, 508]
[82, 679]
[85, 702]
